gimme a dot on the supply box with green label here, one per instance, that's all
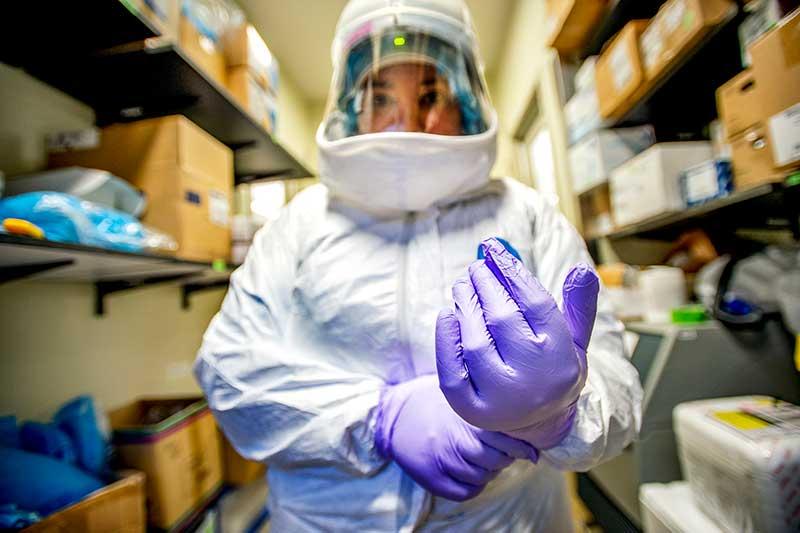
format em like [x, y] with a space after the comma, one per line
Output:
[175, 442]
[741, 457]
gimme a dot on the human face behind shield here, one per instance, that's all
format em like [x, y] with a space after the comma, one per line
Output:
[409, 97]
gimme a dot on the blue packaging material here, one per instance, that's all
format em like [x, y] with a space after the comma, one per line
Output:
[47, 439]
[41, 484]
[9, 433]
[65, 218]
[707, 181]
[12, 517]
[77, 419]
[505, 244]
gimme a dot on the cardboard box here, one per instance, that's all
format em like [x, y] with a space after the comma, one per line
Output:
[653, 48]
[186, 175]
[116, 508]
[244, 47]
[238, 470]
[176, 444]
[686, 22]
[776, 66]
[752, 160]
[739, 104]
[202, 51]
[253, 96]
[570, 22]
[596, 212]
[596, 155]
[648, 185]
[619, 70]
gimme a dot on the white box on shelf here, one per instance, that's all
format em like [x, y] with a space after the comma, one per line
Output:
[594, 157]
[582, 114]
[741, 457]
[584, 77]
[648, 185]
[670, 508]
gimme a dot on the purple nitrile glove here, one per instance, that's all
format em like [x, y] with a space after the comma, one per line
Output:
[432, 444]
[508, 359]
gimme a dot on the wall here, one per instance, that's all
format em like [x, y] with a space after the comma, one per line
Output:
[513, 79]
[52, 347]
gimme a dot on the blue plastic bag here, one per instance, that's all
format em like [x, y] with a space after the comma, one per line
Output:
[66, 218]
[47, 439]
[77, 419]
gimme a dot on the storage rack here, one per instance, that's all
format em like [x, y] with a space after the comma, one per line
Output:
[679, 105]
[126, 72]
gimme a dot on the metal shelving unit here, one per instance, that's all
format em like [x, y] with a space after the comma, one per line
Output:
[134, 77]
[110, 271]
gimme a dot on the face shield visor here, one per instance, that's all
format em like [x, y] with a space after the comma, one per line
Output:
[394, 77]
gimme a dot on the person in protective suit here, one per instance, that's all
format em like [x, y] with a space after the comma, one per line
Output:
[413, 345]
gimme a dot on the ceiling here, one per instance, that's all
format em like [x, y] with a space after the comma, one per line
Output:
[299, 33]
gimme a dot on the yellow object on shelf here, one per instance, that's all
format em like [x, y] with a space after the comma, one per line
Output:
[17, 226]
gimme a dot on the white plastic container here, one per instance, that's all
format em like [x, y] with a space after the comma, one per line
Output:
[741, 457]
[662, 289]
[648, 185]
[670, 508]
[598, 153]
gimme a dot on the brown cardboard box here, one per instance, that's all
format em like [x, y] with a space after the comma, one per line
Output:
[678, 28]
[202, 51]
[176, 444]
[252, 95]
[619, 70]
[752, 159]
[116, 508]
[186, 174]
[238, 470]
[244, 47]
[570, 22]
[739, 103]
[776, 65]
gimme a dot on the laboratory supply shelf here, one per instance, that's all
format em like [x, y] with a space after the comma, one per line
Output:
[66, 29]
[154, 78]
[110, 271]
[770, 206]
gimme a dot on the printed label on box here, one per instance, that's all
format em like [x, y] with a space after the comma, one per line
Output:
[785, 130]
[652, 44]
[218, 208]
[621, 67]
[673, 15]
[701, 182]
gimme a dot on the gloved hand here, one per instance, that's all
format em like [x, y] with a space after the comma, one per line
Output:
[432, 444]
[508, 359]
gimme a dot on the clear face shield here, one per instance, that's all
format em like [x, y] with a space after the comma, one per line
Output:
[399, 79]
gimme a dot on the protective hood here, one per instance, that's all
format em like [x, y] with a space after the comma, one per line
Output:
[405, 171]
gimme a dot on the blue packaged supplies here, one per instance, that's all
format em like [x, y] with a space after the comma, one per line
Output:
[707, 181]
[47, 439]
[77, 419]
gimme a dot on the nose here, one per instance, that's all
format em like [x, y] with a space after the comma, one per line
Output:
[409, 117]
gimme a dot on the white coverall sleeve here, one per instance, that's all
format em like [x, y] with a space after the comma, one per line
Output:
[609, 407]
[275, 402]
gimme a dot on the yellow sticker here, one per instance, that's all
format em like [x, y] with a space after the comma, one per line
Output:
[740, 420]
[797, 353]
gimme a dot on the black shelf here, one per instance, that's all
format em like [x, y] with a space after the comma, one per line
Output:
[67, 29]
[771, 206]
[55, 261]
[152, 79]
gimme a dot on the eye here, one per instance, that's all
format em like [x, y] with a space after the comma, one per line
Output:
[430, 98]
[381, 100]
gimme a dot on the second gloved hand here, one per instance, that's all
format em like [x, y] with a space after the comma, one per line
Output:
[508, 359]
[417, 429]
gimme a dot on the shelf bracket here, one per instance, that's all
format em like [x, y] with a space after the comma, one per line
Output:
[190, 288]
[104, 288]
[11, 273]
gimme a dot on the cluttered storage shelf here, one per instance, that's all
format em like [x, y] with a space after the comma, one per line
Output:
[109, 270]
[154, 77]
